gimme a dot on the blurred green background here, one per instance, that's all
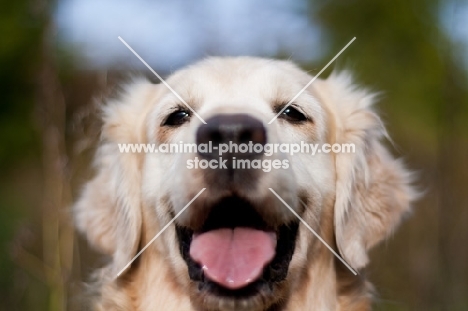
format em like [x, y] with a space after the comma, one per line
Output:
[414, 51]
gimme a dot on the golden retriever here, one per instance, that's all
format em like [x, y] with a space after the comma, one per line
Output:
[237, 246]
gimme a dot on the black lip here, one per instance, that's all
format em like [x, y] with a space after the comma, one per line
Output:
[224, 215]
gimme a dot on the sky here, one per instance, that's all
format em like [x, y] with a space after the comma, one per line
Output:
[454, 18]
[171, 34]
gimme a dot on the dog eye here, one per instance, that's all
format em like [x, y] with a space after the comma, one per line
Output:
[176, 118]
[291, 114]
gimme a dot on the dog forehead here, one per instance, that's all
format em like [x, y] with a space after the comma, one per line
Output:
[238, 77]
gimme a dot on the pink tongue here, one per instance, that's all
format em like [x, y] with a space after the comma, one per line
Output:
[233, 258]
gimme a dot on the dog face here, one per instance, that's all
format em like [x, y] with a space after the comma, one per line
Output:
[237, 108]
[237, 246]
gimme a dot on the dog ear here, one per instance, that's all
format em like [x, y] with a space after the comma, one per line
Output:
[373, 189]
[108, 212]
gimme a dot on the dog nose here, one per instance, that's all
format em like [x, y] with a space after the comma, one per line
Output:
[232, 129]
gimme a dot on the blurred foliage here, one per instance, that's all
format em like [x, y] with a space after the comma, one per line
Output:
[20, 43]
[401, 50]
[19, 57]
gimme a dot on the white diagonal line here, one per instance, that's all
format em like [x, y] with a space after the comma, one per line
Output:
[313, 231]
[161, 79]
[160, 232]
[310, 82]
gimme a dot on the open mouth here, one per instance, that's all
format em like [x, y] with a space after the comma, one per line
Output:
[236, 254]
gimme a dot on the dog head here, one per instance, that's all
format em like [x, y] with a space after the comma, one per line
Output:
[239, 244]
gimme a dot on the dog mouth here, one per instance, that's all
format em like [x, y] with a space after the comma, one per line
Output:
[236, 254]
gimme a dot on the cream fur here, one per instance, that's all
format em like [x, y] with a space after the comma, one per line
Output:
[353, 200]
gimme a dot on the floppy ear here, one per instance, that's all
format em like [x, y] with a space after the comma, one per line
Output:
[373, 189]
[108, 211]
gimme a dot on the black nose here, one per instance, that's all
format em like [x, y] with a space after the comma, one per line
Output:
[231, 129]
